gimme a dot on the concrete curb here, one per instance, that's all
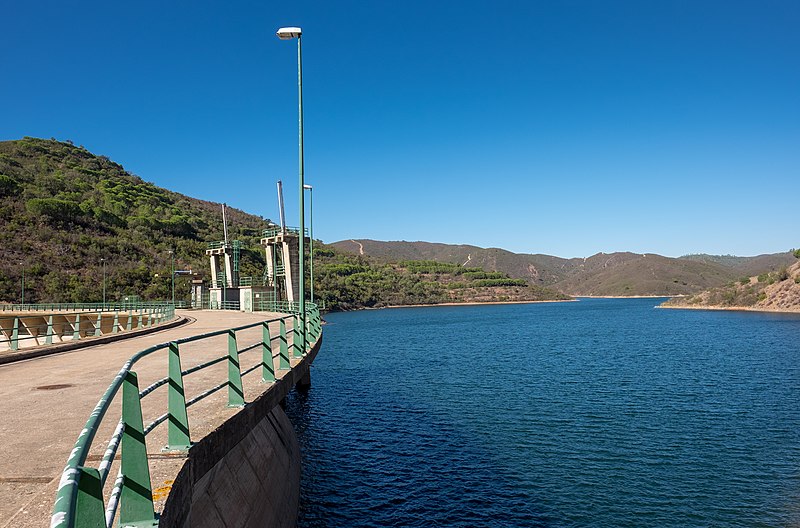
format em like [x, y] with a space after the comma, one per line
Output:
[47, 350]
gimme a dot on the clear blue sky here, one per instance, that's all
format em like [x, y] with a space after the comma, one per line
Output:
[559, 127]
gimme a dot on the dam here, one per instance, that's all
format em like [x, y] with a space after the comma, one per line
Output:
[191, 413]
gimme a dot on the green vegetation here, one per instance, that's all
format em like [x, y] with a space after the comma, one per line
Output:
[600, 274]
[64, 209]
[773, 288]
[346, 281]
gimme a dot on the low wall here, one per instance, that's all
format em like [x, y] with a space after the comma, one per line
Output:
[246, 473]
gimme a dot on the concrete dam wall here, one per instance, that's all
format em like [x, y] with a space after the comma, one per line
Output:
[246, 473]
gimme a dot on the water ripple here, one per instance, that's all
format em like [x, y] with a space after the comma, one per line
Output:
[598, 413]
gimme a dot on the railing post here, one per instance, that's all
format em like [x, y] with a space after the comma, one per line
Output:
[178, 433]
[267, 364]
[116, 322]
[89, 508]
[235, 390]
[297, 338]
[97, 326]
[76, 330]
[141, 320]
[283, 363]
[129, 326]
[136, 502]
[49, 338]
[15, 335]
[308, 332]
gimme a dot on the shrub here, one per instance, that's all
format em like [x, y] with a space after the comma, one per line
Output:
[54, 208]
[7, 185]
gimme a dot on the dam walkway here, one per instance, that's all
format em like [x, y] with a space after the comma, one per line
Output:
[45, 403]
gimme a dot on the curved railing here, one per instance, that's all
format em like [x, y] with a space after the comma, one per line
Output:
[80, 307]
[80, 501]
[34, 327]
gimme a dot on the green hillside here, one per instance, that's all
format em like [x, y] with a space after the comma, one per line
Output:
[609, 274]
[771, 291]
[63, 209]
[346, 281]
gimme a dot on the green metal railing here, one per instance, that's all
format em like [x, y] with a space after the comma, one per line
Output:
[79, 307]
[251, 281]
[276, 230]
[80, 501]
[36, 326]
[218, 245]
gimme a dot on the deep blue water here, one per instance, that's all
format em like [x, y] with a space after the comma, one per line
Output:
[593, 413]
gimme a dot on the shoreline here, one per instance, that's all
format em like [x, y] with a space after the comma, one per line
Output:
[626, 296]
[731, 309]
[471, 303]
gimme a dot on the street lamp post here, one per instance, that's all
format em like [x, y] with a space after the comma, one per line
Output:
[172, 274]
[288, 33]
[23, 283]
[103, 263]
[311, 238]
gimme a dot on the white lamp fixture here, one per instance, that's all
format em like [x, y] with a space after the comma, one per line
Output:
[288, 33]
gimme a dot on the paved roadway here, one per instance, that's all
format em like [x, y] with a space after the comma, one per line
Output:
[40, 423]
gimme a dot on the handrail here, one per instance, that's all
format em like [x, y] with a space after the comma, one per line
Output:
[104, 307]
[276, 230]
[21, 327]
[79, 500]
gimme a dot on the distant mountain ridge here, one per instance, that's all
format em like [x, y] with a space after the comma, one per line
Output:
[603, 274]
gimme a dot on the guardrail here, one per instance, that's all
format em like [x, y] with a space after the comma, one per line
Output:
[80, 307]
[276, 230]
[35, 328]
[79, 500]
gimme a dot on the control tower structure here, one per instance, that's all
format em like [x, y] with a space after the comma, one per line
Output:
[224, 259]
[282, 245]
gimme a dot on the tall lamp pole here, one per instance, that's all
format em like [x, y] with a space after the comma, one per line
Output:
[172, 274]
[23, 282]
[311, 238]
[288, 33]
[103, 263]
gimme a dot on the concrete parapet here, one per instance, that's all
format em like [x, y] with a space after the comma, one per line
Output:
[246, 473]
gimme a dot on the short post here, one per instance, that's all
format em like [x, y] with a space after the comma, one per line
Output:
[49, 339]
[283, 363]
[178, 433]
[267, 364]
[89, 507]
[116, 322]
[141, 318]
[136, 502]
[297, 338]
[235, 390]
[76, 330]
[15, 335]
[97, 326]
[129, 326]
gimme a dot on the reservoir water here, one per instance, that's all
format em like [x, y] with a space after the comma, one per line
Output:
[602, 412]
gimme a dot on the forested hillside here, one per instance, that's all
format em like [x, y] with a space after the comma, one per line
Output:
[63, 209]
[602, 274]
